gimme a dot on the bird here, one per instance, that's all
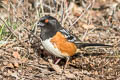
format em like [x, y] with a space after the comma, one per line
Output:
[58, 41]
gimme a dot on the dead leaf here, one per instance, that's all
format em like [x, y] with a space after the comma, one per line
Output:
[14, 1]
[16, 64]
[10, 65]
[15, 74]
[16, 55]
[19, 12]
[96, 73]
[5, 63]
[9, 72]
[23, 60]
[5, 1]
[76, 10]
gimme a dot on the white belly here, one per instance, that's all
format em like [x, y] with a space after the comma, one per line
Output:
[50, 48]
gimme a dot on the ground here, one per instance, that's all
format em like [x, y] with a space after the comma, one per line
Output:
[22, 56]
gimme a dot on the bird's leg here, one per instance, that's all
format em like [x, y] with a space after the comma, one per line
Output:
[57, 61]
[67, 62]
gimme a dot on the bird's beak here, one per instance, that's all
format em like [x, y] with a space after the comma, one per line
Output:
[40, 24]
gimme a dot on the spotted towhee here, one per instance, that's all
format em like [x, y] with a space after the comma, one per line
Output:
[57, 40]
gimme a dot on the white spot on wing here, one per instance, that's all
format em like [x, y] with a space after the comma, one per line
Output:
[70, 37]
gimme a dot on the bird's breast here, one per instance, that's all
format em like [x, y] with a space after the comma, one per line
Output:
[65, 47]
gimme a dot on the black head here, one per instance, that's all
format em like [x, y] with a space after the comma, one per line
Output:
[48, 22]
[49, 26]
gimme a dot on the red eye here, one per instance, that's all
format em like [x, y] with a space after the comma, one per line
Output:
[46, 21]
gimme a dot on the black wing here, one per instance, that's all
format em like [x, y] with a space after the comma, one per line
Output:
[69, 36]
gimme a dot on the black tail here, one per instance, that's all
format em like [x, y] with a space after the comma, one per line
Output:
[82, 45]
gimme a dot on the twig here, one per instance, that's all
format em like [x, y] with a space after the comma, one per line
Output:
[62, 14]
[55, 3]
[10, 29]
[39, 39]
[82, 14]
